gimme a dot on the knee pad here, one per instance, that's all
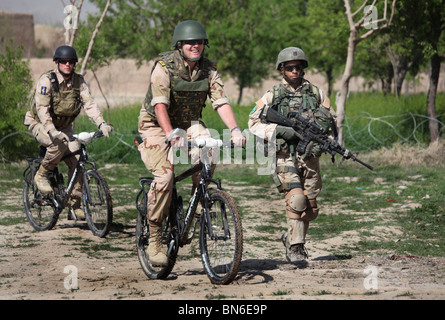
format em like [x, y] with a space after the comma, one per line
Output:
[296, 201]
[311, 212]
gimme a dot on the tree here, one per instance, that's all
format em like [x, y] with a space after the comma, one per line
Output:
[94, 35]
[366, 19]
[15, 86]
[434, 45]
[402, 45]
[249, 34]
[324, 33]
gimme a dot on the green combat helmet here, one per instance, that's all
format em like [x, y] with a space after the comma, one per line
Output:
[289, 54]
[189, 30]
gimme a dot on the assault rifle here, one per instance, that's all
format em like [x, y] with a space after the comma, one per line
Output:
[310, 132]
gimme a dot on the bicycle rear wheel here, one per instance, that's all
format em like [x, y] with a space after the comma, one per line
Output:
[170, 240]
[221, 249]
[97, 203]
[39, 210]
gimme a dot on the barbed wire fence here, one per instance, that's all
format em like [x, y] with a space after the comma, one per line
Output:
[363, 133]
[383, 131]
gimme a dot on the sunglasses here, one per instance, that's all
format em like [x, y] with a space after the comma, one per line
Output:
[194, 42]
[62, 61]
[291, 67]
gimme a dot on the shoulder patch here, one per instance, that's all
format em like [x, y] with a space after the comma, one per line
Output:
[43, 90]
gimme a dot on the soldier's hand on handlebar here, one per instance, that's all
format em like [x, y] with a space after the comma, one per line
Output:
[238, 139]
[106, 129]
[59, 137]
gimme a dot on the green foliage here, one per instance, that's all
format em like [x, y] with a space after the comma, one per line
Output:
[15, 87]
[245, 36]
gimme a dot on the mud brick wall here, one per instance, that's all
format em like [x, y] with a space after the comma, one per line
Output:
[20, 28]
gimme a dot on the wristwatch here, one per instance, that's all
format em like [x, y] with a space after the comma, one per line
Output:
[235, 128]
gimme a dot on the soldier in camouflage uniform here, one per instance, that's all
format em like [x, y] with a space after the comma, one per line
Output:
[180, 82]
[295, 175]
[60, 95]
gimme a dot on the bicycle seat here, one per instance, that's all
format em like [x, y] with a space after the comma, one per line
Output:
[146, 179]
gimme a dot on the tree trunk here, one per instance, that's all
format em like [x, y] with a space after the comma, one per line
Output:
[344, 88]
[240, 94]
[431, 98]
[330, 79]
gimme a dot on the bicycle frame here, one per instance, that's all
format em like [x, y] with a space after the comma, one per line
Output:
[199, 194]
[60, 199]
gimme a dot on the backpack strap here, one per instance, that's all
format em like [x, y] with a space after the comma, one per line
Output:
[54, 81]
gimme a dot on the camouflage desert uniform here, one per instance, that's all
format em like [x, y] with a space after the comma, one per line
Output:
[156, 154]
[307, 173]
[43, 118]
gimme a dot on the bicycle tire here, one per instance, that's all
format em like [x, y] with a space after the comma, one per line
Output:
[97, 203]
[221, 256]
[142, 236]
[142, 241]
[40, 212]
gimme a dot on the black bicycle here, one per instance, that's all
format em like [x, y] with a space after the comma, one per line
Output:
[43, 210]
[219, 221]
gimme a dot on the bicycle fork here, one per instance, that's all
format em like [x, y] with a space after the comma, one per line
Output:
[208, 215]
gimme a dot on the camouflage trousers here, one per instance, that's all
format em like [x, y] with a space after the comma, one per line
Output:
[301, 183]
[55, 152]
[158, 157]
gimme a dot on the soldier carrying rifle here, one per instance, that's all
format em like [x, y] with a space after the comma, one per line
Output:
[297, 175]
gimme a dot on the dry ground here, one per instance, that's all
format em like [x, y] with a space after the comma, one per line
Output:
[33, 266]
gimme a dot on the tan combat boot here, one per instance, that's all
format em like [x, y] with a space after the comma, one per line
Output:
[76, 207]
[155, 255]
[41, 180]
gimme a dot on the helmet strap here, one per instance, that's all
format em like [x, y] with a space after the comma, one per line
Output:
[294, 81]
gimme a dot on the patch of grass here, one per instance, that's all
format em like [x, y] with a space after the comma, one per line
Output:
[10, 221]
[282, 292]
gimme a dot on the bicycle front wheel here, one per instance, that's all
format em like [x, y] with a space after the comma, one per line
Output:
[40, 212]
[221, 238]
[97, 203]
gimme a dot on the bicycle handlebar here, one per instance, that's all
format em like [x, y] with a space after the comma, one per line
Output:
[86, 137]
[210, 143]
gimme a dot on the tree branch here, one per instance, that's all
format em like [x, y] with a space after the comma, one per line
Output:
[93, 37]
[360, 9]
[372, 31]
[76, 23]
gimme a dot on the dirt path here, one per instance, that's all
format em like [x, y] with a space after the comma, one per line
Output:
[39, 265]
